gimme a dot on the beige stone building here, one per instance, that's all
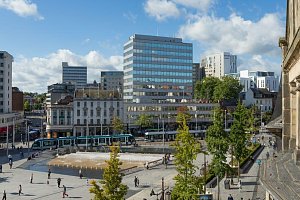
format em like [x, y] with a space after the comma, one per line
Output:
[290, 46]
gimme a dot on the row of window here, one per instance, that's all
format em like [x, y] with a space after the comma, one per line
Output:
[142, 66]
[159, 52]
[155, 59]
[91, 103]
[167, 108]
[162, 80]
[138, 45]
[158, 73]
[155, 94]
[98, 112]
[160, 87]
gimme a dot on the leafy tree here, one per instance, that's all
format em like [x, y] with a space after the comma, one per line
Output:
[26, 106]
[267, 117]
[238, 136]
[205, 89]
[250, 121]
[228, 88]
[182, 114]
[197, 90]
[187, 184]
[112, 187]
[217, 143]
[117, 124]
[144, 121]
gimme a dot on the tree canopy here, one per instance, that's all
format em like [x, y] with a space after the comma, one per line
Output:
[205, 89]
[117, 125]
[144, 121]
[215, 89]
[227, 88]
[238, 136]
[187, 184]
[112, 187]
[217, 143]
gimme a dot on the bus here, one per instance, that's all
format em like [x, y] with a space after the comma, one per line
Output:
[82, 141]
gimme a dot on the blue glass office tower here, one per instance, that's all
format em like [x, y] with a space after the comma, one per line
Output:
[157, 69]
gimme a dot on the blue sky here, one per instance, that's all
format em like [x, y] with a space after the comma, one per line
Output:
[42, 34]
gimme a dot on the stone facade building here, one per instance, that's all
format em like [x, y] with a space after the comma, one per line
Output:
[290, 46]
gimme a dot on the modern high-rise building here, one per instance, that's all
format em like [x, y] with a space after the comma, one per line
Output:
[259, 79]
[157, 69]
[112, 80]
[76, 75]
[5, 82]
[219, 64]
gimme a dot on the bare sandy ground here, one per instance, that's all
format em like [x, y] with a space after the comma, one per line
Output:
[96, 160]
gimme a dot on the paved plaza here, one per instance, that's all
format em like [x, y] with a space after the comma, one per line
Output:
[78, 188]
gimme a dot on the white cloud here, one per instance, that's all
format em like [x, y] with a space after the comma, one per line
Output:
[35, 74]
[202, 5]
[86, 41]
[130, 16]
[236, 34]
[22, 8]
[161, 9]
[260, 63]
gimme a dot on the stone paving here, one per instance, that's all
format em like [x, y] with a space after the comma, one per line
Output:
[78, 189]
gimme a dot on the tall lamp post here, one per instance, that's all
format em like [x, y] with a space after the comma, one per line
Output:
[225, 119]
[261, 106]
[163, 190]
[196, 120]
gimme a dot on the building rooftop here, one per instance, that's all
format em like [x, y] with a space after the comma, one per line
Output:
[93, 93]
[156, 38]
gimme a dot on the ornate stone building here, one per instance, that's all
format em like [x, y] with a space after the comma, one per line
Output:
[290, 46]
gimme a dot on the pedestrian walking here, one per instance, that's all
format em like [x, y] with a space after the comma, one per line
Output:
[240, 185]
[49, 173]
[135, 181]
[267, 155]
[230, 197]
[10, 164]
[31, 178]
[4, 195]
[87, 182]
[20, 190]
[58, 182]
[80, 174]
[65, 192]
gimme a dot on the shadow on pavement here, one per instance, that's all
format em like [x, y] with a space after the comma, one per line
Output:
[250, 183]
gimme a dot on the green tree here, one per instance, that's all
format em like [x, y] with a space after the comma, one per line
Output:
[182, 114]
[205, 89]
[26, 106]
[227, 88]
[250, 121]
[144, 121]
[117, 125]
[112, 187]
[187, 184]
[238, 136]
[197, 90]
[217, 144]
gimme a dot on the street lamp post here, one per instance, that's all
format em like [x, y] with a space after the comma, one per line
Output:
[225, 118]
[261, 106]
[27, 129]
[6, 137]
[196, 119]
[163, 189]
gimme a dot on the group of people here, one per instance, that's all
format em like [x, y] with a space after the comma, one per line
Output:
[31, 181]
